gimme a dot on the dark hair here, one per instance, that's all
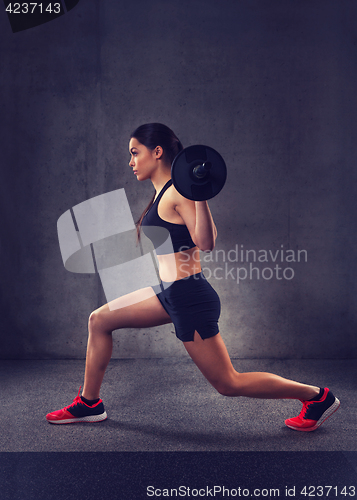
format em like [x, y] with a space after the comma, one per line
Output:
[152, 135]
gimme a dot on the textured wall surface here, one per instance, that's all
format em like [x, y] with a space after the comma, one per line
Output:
[270, 85]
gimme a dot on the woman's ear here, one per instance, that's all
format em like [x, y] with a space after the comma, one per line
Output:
[159, 152]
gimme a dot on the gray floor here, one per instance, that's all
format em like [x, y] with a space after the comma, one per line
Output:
[166, 405]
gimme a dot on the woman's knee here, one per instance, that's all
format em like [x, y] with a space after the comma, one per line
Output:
[228, 387]
[227, 390]
[97, 321]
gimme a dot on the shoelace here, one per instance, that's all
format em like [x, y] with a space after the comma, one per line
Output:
[305, 405]
[76, 400]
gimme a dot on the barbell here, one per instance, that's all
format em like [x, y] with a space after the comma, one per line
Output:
[198, 172]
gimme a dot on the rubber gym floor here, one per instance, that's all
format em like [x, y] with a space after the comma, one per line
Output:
[167, 405]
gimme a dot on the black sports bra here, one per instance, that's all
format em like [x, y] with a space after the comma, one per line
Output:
[166, 237]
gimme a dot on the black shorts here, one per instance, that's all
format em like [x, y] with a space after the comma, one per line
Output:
[192, 304]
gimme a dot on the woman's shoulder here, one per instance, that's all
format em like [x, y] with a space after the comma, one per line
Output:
[176, 198]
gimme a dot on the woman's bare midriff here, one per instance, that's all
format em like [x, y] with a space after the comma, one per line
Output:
[176, 266]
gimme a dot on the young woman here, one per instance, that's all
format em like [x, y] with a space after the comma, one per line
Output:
[184, 298]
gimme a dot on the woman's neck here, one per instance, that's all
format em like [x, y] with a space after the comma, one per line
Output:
[160, 178]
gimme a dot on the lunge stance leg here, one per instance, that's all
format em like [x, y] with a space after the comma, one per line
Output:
[136, 310]
[211, 357]
[140, 309]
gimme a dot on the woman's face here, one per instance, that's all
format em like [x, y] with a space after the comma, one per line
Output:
[142, 160]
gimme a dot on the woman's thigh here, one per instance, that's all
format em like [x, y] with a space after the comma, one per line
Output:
[139, 309]
[212, 358]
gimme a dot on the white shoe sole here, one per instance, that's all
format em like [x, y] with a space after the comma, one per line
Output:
[90, 418]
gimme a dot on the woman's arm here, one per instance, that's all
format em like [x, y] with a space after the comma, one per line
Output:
[198, 219]
[205, 229]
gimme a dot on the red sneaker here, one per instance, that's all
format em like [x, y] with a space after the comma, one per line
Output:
[78, 411]
[314, 413]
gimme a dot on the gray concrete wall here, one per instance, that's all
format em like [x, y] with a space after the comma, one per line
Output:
[271, 85]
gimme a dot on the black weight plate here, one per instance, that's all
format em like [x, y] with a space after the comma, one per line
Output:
[192, 187]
